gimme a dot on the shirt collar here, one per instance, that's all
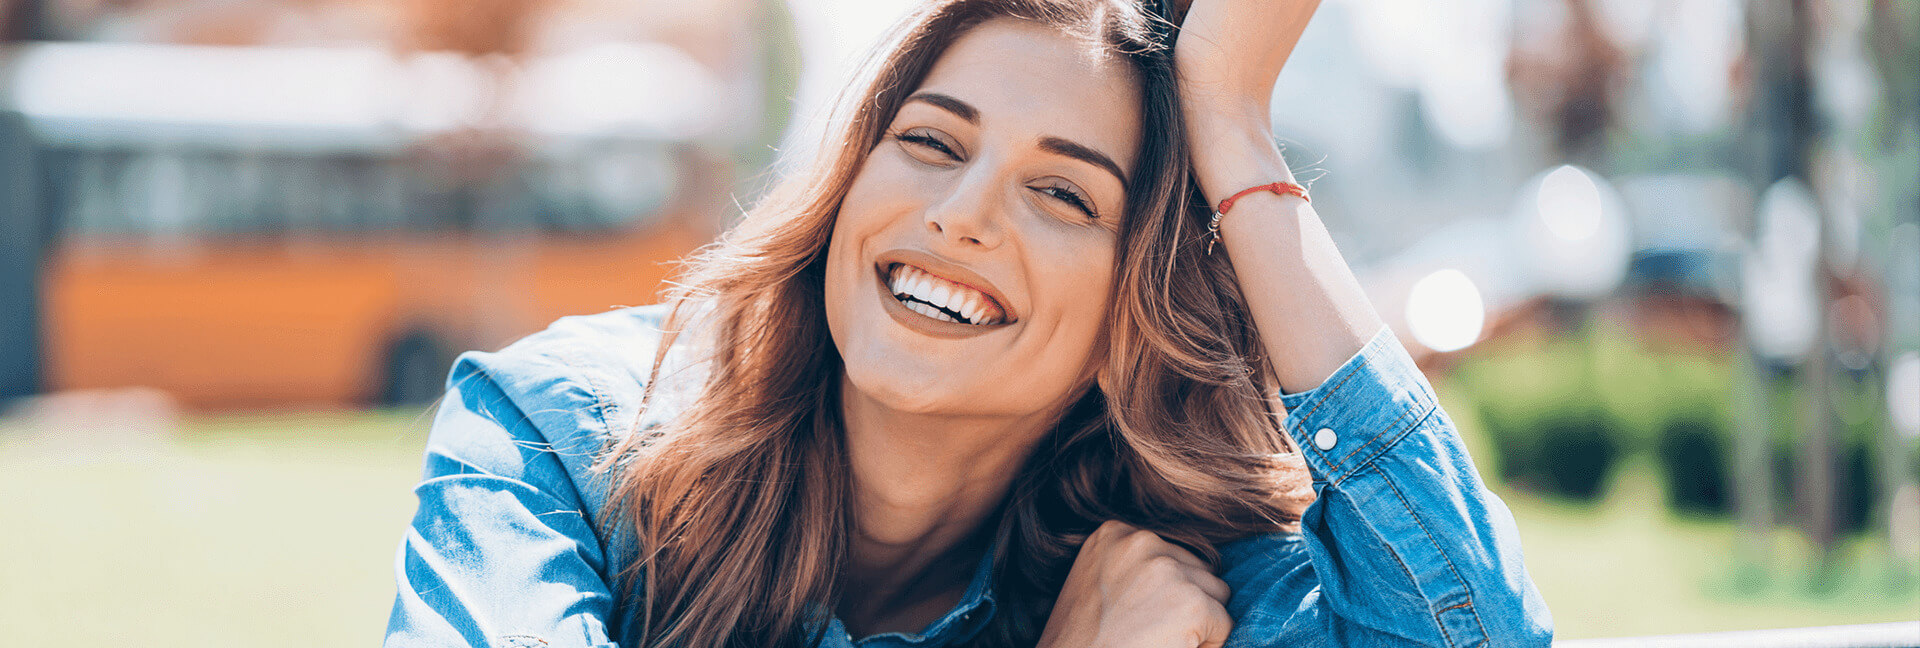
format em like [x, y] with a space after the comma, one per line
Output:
[958, 625]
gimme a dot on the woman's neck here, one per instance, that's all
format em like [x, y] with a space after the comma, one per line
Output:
[923, 487]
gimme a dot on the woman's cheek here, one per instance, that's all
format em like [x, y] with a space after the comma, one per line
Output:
[1083, 289]
[884, 185]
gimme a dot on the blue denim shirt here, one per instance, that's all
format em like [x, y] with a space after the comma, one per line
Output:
[1404, 547]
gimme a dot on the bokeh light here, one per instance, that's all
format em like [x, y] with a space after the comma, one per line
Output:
[1573, 230]
[1903, 394]
[1782, 307]
[1444, 311]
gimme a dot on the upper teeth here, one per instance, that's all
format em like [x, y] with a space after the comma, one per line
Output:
[974, 306]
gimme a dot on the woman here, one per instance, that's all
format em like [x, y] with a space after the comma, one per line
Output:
[981, 377]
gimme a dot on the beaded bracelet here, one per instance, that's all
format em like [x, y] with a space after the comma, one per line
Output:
[1281, 188]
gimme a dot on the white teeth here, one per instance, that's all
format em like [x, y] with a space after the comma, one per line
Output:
[931, 295]
[957, 299]
[930, 311]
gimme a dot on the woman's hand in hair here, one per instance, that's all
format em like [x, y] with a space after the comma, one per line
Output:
[1229, 52]
[1129, 588]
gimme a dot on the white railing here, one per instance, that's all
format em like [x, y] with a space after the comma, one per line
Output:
[1905, 634]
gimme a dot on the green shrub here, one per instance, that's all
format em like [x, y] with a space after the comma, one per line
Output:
[1578, 449]
[1568, 451]
[1695, 458]
[1560, 415]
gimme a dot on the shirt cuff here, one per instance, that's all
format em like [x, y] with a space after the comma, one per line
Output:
[1371, 401]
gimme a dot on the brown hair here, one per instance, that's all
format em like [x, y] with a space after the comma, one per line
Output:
[739, 502]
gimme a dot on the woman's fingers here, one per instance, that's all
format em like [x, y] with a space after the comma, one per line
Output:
[1215, 628]
[1213, 586]
[1148, 546]
[1131, 588]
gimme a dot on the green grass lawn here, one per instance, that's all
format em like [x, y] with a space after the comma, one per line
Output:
[1624, 568]
[281, 530]
[255, 531]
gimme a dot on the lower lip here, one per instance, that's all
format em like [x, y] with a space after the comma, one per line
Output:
[927, 325]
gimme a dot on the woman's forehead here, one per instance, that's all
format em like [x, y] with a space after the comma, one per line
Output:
[1026, 78]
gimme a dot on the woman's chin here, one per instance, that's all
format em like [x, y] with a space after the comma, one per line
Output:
[924, 391]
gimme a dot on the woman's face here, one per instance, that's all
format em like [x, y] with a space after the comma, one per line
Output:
[971, 263]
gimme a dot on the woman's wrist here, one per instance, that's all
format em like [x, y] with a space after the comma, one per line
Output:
[1233, 150]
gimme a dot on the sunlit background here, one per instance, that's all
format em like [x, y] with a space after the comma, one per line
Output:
[1660, 258]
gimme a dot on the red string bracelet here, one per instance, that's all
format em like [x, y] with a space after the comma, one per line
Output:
[1280, 188]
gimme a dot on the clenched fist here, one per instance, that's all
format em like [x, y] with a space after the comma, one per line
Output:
[1129, 588]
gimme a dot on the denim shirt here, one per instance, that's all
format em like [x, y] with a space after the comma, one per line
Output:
[1404, 547]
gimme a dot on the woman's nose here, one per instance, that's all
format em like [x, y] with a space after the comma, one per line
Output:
[970, 214]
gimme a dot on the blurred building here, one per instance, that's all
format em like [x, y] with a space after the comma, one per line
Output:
[318, 203]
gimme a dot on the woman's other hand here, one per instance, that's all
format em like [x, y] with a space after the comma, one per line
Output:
[1129, 588]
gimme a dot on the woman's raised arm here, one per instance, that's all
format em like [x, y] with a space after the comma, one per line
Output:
[1404, 545]
[1309, 308]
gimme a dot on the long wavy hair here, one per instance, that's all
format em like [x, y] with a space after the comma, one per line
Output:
[739, 501]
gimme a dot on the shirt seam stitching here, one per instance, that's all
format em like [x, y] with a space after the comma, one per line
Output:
[1332, 465]
[1408, 571]
[1394, 431]
[600, 401]
[1383, 443]
[599, 408]
[1465, 587]
[1329, 397]
[1438, 625]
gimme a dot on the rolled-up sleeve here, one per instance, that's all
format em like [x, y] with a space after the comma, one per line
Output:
[501, 551]
[1404, 546]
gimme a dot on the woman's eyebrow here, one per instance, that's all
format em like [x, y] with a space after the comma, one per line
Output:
[1074, 150]
[959, 108]
[1049, 143]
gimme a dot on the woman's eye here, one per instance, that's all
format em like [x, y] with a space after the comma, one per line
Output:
[923, 140]
[1071, 197]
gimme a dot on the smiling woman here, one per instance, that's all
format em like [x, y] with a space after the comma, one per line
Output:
[975, 379]
[969, 188]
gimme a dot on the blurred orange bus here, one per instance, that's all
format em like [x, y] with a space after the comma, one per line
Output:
[310, 263]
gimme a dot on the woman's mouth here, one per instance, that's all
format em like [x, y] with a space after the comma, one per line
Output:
[941, 299]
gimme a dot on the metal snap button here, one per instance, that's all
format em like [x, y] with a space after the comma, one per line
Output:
[1325, 439]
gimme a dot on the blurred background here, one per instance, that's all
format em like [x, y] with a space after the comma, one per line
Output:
[1660, 258]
